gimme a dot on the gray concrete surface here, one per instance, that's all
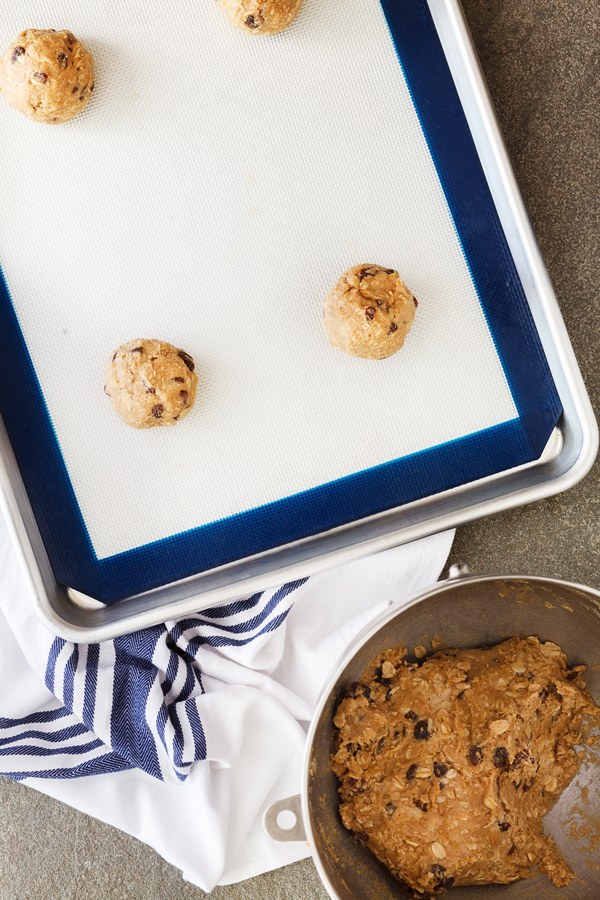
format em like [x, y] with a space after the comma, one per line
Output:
[541, 61]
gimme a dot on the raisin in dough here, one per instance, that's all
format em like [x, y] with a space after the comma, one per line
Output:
[369, 312]
[447, 768]
[257, 17]
[151, 383]
[47, 75]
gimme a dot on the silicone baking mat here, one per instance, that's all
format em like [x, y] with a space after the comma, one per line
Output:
[210, 195]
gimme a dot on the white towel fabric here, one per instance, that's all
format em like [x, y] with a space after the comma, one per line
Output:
[183, 734]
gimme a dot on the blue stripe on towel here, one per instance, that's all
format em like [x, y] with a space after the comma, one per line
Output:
[232, 609]
[188, 687]
[178, 743]
[161, 723]
[91, 681]
[57, 646]
[36, 718]
[220, 641]
[197, 729]
[52, 737]
[101, 765]
[238, 628]
[70, 670]
[32, 750]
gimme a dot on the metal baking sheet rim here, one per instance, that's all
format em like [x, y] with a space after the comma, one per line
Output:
[562, 466]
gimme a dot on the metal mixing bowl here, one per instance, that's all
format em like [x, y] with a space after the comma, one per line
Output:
[461, 612]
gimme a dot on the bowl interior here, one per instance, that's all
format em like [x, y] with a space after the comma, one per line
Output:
[468, 613]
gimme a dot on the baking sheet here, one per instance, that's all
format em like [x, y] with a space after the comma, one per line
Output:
[210, 195]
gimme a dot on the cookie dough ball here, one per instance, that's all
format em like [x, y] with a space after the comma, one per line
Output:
[47, 75]
[150, 383]
[369, 312]
[258, 17]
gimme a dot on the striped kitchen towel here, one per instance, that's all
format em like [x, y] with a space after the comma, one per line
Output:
[182, 734]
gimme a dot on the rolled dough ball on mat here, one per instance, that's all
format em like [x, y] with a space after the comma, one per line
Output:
[150, 383]
[47, 75]
[258, 17]
[369, 312]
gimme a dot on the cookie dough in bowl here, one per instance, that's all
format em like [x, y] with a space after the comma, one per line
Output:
[47, 75]
[258, 17]
[369, 312]
[472, 614]
[448, 767]
[150, 383]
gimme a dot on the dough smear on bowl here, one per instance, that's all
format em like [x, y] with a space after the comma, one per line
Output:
[369, 312]
[150, 383]
[448, 767]
[258, 17]
[47, 75]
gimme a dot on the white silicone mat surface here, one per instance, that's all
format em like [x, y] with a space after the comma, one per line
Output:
[210, 195]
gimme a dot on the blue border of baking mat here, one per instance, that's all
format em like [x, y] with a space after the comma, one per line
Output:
[384, 487]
